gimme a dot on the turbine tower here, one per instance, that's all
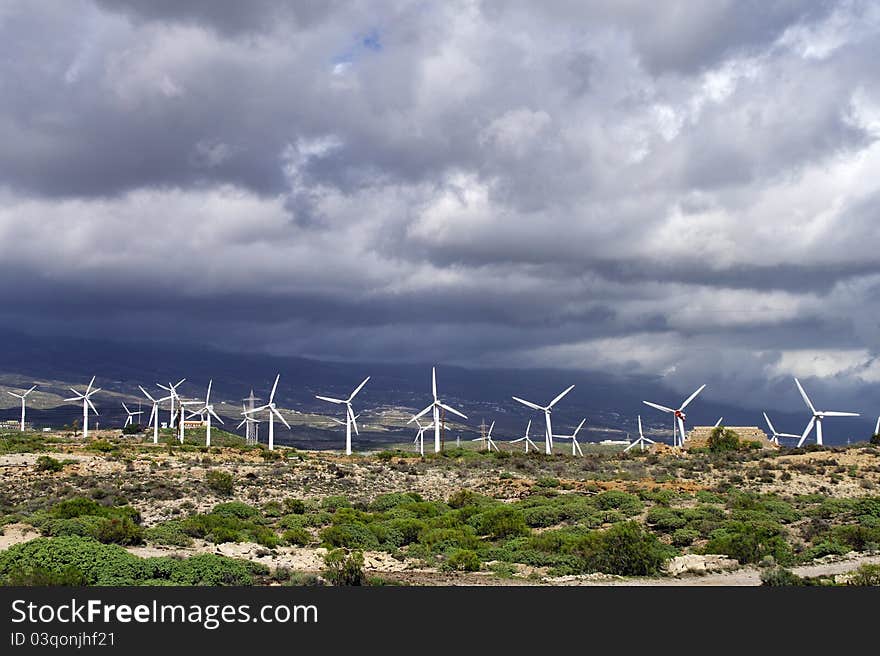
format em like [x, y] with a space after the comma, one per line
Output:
[208, 411]
[86, 399]
[22, 397]
[525, 438]
[575, 447]
[154, 414]
[678, 416]
[818, 416]
[488, 439]
[131, 415]
[642, 439]
[420, 436]
[350, 419]
[547, 409]
[172, 391]
[774, 436]
[436, 406]
[273, 412]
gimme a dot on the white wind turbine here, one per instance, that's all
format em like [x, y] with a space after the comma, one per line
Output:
[678, 416]
[718, 423]
[547, 409]
[172, 391]
[774, 436]
[22, 397]
[575, 447]
[436, 405]
[642, 439]
[86, 399]
[154, 414]
[525, 438]
[488, 439]
[208, 411]
[273, 412]
[818, 416]
[420, 435]
[131, 415]
[350, 419]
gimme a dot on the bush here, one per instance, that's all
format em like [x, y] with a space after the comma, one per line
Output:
[683, 537]
[349, 535]
[750, 541]
[723, 439]
[219, 482]
[84, 517]
[236, 509]
[388, 501]
[341, 568]
[294, 506]
[866, 575]
[297, 536]
[779, 576]
[168, 533]
[77, 560]
[628, 504]
[500, 522]
[48, 463]
[463, 560]
[624, 549]
[333, 503]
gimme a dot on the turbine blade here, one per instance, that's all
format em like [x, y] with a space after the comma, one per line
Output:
[718, 423]
[642, 435]
[769, 423]
[691, 398]
[92, 406]
[352, 417]
[283, 420]
[534, 406]
[841, 414]
[208, 395]
[358, 388]
[147, 394]
[658, 406]
[804, 394]
[559, 398]
[421, 414]
[580, 425]
[434, 381]
[274, 387]
[807, 431]
[91, 382]
[489, 434]
[452, 410]
[215, 415]
[329, 398]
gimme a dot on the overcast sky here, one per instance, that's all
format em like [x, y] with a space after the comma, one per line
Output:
[685, 189]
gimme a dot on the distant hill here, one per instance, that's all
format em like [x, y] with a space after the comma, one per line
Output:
[610, 403]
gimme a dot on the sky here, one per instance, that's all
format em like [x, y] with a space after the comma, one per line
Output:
[677, 189]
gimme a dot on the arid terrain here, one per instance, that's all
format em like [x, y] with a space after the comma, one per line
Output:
[464, 517]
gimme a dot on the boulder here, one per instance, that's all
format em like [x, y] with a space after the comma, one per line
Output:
[700, 564]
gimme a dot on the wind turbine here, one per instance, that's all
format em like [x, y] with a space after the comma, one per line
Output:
[489, 443]
[678, 415]
[154, 414]
[436, 405]
[642, 439]
[86, 399]
[525, 438]
[818, 416]
[718, 423]
[420, 435]
[208, 411]
[172, 390]
[273, 412]
[350, 419]
[22, 397]
[131, 415]
[548, 430]
[573, 438]
[774, 437]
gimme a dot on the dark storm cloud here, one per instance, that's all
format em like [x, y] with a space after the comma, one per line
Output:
[674, 189]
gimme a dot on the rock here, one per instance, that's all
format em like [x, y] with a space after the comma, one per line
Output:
[700, 564]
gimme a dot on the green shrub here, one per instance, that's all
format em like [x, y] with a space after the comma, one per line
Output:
[547, 481]
[723, 439]
[683, 537]
[341, 568]
[388, 501]
[297, 536]
[624, 549]
[439, 540]
[500, 522]
[236, 509]
[750, 541]
[463, 560]
[628, 504]
[48, 463]
[779, 576]
[866, 575]
[333, 503]
[665, 519]
[294, 506]
[219, 482]
[349, 535]
[169, 533]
